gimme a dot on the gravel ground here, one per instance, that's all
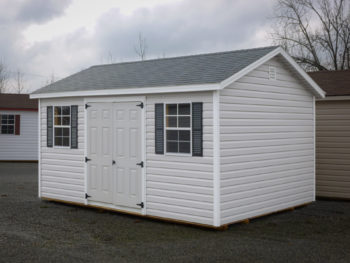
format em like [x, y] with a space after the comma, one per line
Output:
[32, 230]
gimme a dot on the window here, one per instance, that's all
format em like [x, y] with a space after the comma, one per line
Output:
[7, 124]
[178, 128]
[62, 124]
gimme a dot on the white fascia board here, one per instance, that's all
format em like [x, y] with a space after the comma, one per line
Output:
[335, 98]
[128, 91]
[319, 93]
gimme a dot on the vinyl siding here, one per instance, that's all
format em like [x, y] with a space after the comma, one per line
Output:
[266, 144]
[25, 145]
[333, 149]
[62, 169]
[180, 186]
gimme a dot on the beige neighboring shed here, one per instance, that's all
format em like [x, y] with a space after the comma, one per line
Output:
[333, 134]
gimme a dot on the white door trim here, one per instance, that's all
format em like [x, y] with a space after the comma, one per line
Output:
[143, 146]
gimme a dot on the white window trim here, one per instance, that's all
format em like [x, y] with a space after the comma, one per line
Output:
[272, 73]
[62, 126]
[177, 129]
[14, 124]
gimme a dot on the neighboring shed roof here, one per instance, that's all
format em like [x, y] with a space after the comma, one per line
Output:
[335, 83]
[177, 71]
[17, 102]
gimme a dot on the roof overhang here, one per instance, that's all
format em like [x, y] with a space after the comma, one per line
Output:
[128, 91]
[339, 97]
[315, 89]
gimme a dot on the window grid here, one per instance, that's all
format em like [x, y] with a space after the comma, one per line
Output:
[7, 124]
[180, 142]
[62, 126]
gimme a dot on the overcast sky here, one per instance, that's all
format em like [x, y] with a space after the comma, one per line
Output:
[42, 38]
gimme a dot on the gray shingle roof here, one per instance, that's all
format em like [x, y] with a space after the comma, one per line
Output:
[186, 70]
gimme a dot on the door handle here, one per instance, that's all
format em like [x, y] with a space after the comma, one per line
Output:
[113, 162]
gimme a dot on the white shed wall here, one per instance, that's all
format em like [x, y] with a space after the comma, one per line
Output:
[180, 186]
[62, 169]
[23, 146]
[177, 186]
[266, 144]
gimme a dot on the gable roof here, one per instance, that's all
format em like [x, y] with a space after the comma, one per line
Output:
[335, 83]
[212, 71]
[17, 102]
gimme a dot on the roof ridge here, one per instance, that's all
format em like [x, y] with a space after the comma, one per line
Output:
[184, 56]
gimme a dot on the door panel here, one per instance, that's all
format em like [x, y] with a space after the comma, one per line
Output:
[127, 152]
[114, 133]
[99, 151]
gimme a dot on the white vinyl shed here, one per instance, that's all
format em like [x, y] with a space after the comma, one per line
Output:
[207, 139]
[18, 128]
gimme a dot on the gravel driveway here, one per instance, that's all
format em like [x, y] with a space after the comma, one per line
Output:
[32, 230]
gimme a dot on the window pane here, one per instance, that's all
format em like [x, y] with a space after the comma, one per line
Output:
[66, 110]
[57, 110]
[171, 109]
[172, 135]
[184, 122]
[171, 121]
[172, 147]
[10, 129]
[11, 117]
[58, 141]
[65, 141]
[66, 121]
[58, 121]
[4, 121]
[4, 129]
[184, 109]
[184, 147]
[58, 132]
[65, 131]
[184, 135]
[11, 121]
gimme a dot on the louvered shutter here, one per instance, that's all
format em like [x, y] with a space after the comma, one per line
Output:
[197, 129]
[17, 124]
[74, 127]
[159, 128]
[49, 123]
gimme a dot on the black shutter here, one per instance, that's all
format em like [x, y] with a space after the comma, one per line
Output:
[74, 127]
[197, 129]
[49, 124]
[159, 128]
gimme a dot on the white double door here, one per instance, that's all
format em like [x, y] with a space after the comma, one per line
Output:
[114, 170]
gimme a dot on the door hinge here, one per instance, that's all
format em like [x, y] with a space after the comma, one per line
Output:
[141, 164]
[87, 159]
[140, 105]
[87, 196]
[141, 204]
[87, 106]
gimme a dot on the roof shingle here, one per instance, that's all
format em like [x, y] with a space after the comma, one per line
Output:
[17, 101]
[334, 83]
[186, 70]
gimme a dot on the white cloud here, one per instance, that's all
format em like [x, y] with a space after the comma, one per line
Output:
[70, 37]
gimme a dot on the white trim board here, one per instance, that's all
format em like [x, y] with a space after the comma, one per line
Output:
[318, 92]
[216, 159]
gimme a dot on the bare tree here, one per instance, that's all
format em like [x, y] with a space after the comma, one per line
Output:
[4, 77]
[315, 32]
[19, 86]
[141, 47]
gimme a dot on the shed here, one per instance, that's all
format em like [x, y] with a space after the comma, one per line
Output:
[18, 128]
[333, 134]
[208, 139]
